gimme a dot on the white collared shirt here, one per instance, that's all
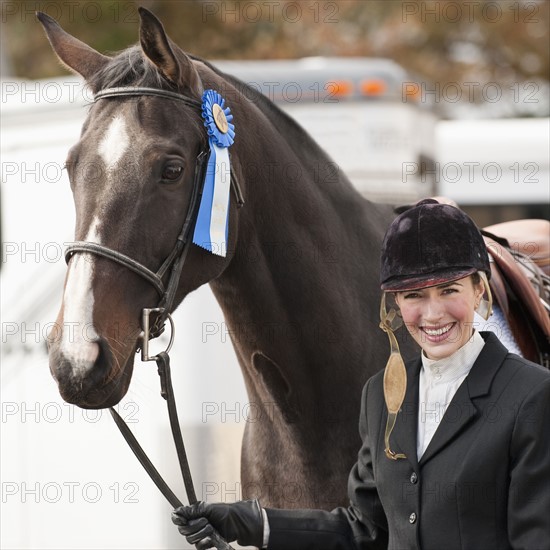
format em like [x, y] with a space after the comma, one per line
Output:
[439, 381]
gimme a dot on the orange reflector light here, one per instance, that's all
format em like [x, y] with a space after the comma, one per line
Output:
[339, 88]
[373, 87]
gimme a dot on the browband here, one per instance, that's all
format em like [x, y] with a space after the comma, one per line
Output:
[129, 91]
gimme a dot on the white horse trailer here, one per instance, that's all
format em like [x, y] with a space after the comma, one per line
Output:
[497, 170]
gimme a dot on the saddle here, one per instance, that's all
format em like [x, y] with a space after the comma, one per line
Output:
[519, 252]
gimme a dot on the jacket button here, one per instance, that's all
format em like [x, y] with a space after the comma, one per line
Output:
[412, 518]
[414, 478]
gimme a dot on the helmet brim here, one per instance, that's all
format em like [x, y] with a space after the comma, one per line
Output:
[427, 280]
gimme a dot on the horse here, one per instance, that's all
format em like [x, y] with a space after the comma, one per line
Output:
[301, 267]
[301, 264]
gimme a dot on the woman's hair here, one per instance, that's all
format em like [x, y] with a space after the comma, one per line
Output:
[476, 279]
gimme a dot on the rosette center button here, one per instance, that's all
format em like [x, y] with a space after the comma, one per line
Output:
[220, 119]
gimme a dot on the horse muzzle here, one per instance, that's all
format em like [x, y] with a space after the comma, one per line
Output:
[89, 376]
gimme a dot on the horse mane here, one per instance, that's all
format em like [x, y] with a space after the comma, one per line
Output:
[335, 182]
[285, 123]
[264, 103]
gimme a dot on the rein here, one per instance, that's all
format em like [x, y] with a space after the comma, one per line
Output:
[173, 265]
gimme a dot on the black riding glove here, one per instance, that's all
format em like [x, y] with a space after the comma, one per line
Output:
[241, 521]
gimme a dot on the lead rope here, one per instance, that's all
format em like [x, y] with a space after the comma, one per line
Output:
[167, 392]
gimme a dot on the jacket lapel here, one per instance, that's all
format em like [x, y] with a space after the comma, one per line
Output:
[462, 410]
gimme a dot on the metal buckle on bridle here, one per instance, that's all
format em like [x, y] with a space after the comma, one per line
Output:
[145, 324]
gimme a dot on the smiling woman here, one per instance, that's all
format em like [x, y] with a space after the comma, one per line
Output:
[446, 472]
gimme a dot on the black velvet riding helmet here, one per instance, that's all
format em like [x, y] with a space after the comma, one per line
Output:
[430, 244]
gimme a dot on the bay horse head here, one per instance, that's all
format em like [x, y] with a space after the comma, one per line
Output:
[134, 174]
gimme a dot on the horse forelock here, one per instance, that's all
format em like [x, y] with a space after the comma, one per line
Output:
[130, 67]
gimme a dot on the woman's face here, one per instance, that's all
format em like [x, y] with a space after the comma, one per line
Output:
[440, 318]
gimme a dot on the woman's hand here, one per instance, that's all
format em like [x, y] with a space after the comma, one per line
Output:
[241, 521]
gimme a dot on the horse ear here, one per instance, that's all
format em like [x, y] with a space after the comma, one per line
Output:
[73, 53]
[170, 60]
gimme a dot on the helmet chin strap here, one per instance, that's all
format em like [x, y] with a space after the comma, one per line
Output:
[395, 375]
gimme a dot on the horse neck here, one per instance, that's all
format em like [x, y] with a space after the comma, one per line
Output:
[300, 276]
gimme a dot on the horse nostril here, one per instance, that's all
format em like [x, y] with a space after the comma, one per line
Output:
[90, 359]
[100, 360]
[94, 352]
[95, 361]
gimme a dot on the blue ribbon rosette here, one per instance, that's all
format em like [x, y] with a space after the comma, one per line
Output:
[212, 223]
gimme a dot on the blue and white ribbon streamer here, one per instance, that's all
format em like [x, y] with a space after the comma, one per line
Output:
[211, 228]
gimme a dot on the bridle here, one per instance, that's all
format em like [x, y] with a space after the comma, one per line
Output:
[174, 265]
[176, 259]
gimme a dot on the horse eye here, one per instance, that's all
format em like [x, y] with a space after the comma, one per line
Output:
[172, 171]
